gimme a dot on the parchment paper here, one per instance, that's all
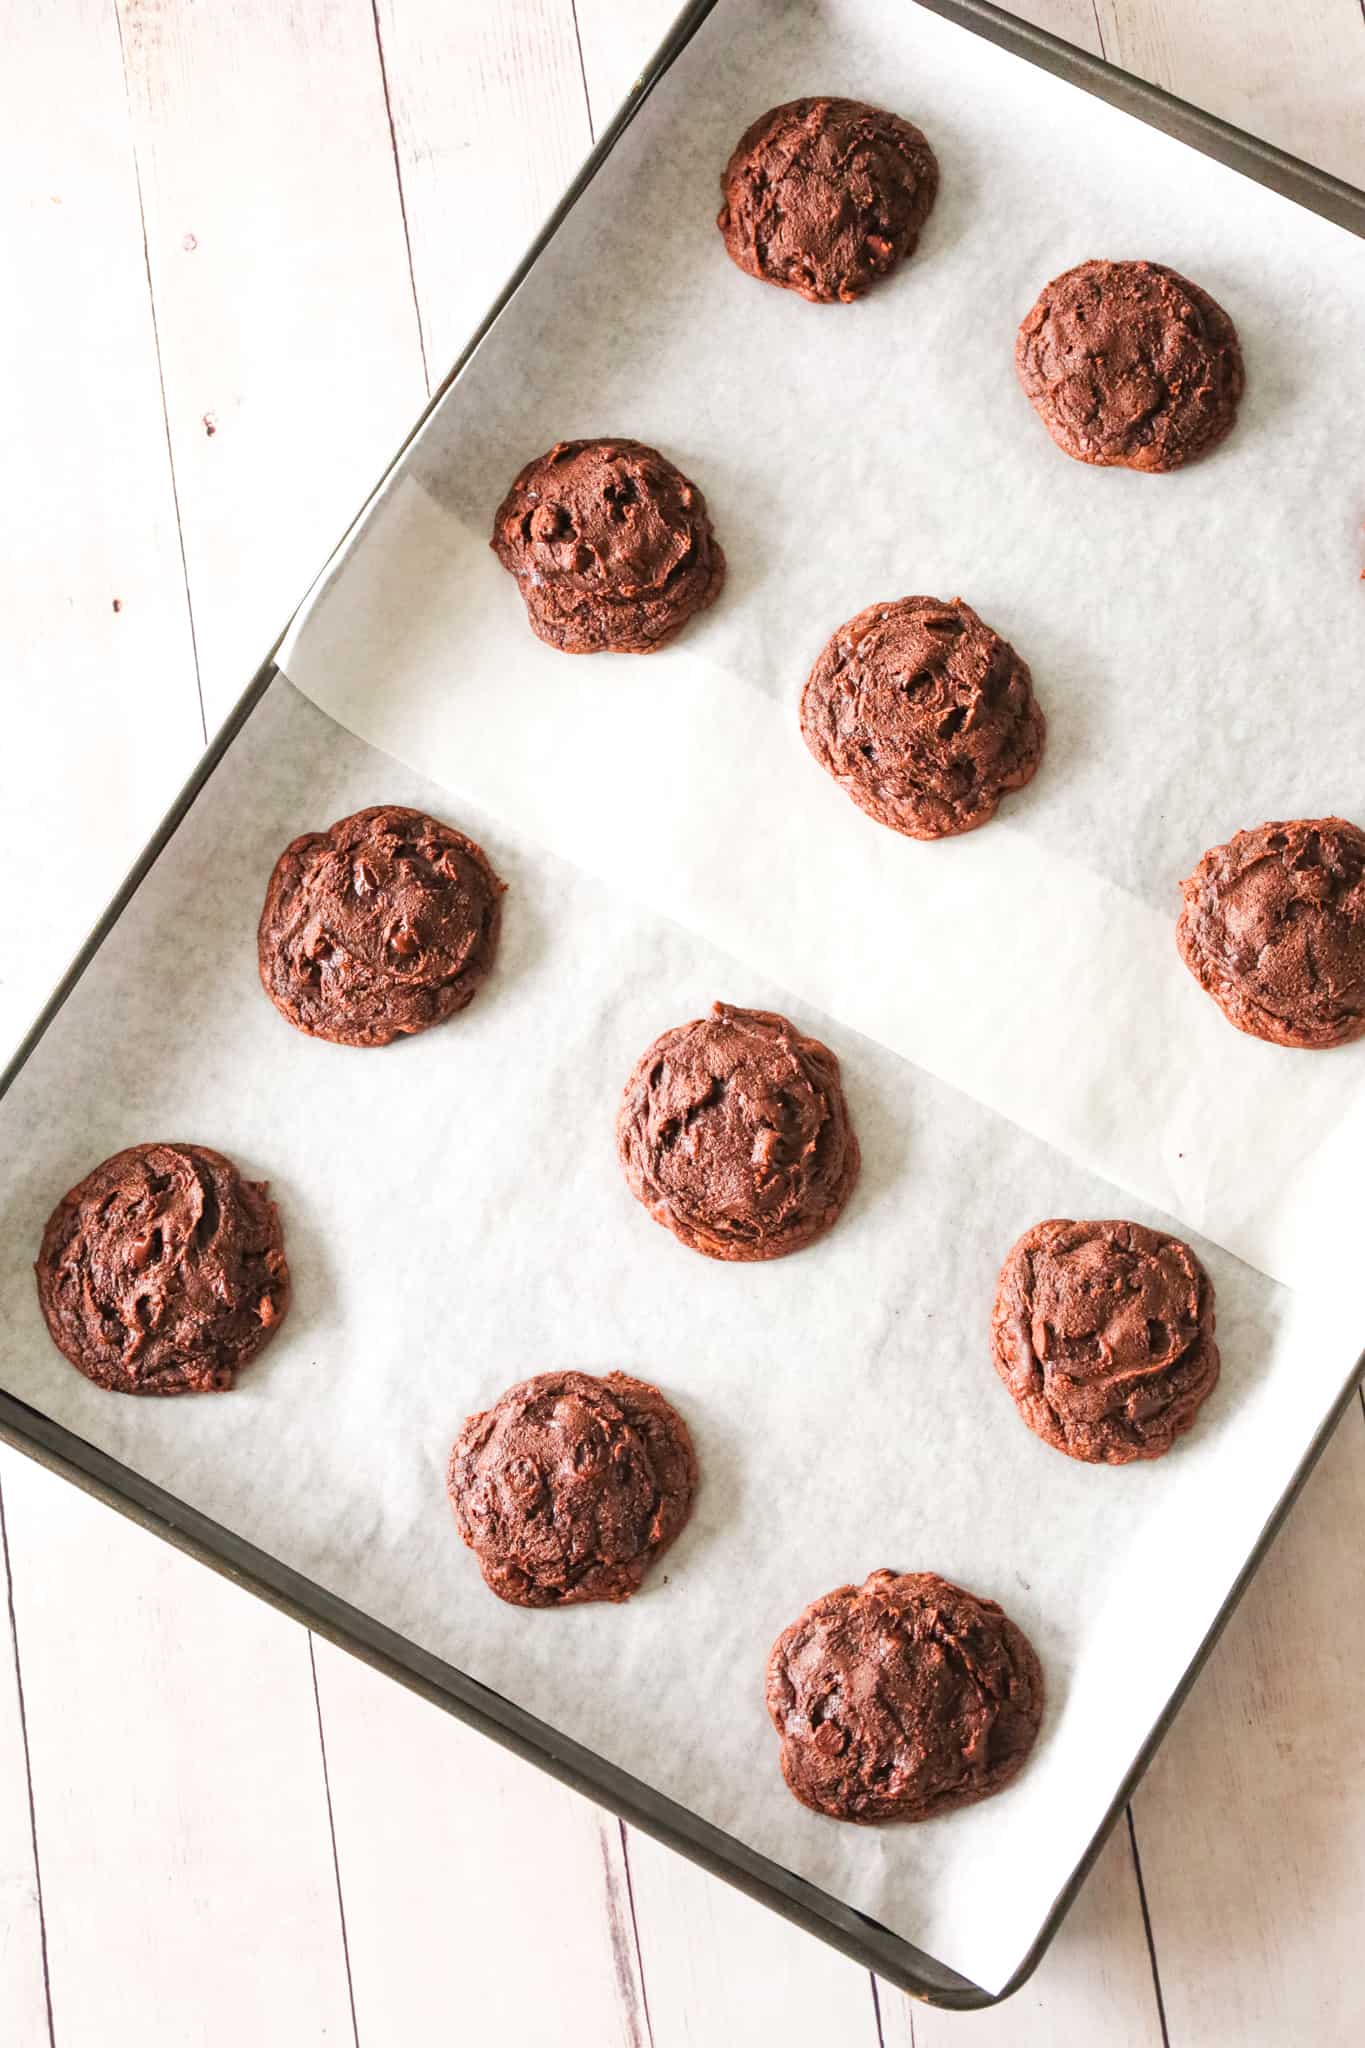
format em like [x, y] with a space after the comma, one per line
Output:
[455, 1218]
[1197, 641]
[454, 1213]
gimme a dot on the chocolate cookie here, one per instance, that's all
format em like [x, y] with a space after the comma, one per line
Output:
[734, 1133]
[1103, 1334]
[1130, 364]
[379, 927]
[570, 1486]
[1273, 928]
[611, 547]
[826, 196]
[923, 715]
[163, 1272]
[902, 1698]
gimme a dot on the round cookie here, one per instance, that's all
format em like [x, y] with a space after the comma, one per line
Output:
[902, 1698]
[163, 1272]
[379, 927]
[570, 1486]
[1273, 928]
[611, 546]
[824, 196]
[1103, 1334]
[734, 1134]
[923, 715]
[1130, 365]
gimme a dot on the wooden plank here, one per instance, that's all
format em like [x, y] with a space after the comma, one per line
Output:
[1075, 21]
[23, 1995]
[483, 1901]
[143, 1687]
[1251, 1822]
[183, 1839]
[1289, 73]
[489, 124]
[720, 1967]
[288, 336]
[617, 38]
[100, 705]
[1094, 1984]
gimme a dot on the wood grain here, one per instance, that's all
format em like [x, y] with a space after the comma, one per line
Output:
[98, 683]
[23, 1995]
[489, 122]
[617, 39]
[719, 1967]
[276, 256]
[1094, 1983]
[187, 1872]
[483, 1901]
[1075, 21]
[1291, 74]
[1252, 1818]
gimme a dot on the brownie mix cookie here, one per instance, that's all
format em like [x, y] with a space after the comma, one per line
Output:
[734, 1134]
[1103, 1334]
[1130, 365]
[824, 196]
[611, 547]
[902, 1698]
[570, 1486]
[923, 715]
[1273, 928]
[379, 927]
[163, 1272]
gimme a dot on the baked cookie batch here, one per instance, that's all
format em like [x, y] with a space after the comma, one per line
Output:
[163, 1271]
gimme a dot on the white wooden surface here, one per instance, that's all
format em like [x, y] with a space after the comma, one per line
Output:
[239, 240]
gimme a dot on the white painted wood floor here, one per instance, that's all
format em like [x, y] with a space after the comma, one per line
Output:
[238, 239]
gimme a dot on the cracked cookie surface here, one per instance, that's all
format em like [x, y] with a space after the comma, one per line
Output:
[378, 928]
[163, 1271]
[902, 1698]
[1129, 365]
[1273, 928]
[923, 715]
[611, 545]
[734, 1133]
[825, 196]
[1102, 1332]
[570, 1486]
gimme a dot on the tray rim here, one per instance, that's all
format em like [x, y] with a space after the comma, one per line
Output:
[119, 1486]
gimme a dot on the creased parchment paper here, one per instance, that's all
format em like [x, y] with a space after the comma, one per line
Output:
[1017, 1036]
[1197, 641]
[455, 1218]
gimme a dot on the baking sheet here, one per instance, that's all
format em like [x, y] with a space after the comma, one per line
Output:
[1197, 641]
[454, 1213]
[455, 1218]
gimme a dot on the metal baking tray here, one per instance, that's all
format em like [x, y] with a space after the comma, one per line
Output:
[61, 1450]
